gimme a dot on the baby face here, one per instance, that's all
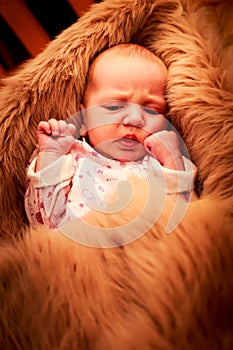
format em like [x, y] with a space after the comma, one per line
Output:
[124, 104]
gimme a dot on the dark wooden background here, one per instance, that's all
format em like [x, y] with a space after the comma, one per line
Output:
[26, 26]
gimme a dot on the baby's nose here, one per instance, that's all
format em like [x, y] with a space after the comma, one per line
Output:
[134, 116]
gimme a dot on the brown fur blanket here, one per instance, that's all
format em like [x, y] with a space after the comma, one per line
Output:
[162, 291]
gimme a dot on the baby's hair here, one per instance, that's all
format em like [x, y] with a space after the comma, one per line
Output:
[132, 50]
[129, 50]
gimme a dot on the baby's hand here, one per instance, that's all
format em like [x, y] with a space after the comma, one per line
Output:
[164, 146]
[55, 136]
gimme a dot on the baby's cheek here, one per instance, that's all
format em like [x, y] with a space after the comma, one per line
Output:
[155, 124]
[162, 123]
[145, 136]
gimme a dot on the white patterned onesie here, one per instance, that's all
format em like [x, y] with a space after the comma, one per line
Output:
[78, 181]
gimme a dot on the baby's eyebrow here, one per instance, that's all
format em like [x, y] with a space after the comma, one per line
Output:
[118, 95]
[158, 101]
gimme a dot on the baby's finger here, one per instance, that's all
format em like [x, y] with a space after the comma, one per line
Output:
[164, 147]
[168, 138]
[62, 128]
[44, 127]
[54, 127]
[71, 129]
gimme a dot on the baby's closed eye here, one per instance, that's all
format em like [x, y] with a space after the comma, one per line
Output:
[151, 110]
[114, 106]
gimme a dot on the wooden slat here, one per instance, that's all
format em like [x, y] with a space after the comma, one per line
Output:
[80, 6]
[24, 24]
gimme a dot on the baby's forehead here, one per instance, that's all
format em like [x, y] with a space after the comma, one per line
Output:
[106, 61]
[107, 56]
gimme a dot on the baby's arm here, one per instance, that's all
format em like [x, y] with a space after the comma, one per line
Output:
[55, 138]
[164, 146]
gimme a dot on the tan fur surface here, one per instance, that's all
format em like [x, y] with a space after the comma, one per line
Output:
[160, 292]
[52, 85]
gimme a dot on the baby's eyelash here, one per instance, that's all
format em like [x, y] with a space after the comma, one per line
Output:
[113, 107]
[151, 111]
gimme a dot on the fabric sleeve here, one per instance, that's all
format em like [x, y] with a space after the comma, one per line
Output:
[47, 191]
[175, 181]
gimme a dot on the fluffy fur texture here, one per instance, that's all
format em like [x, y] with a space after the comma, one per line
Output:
[52, 85]
[162, 291]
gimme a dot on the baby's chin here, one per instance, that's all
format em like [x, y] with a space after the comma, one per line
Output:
[128, 157]
[121, 154]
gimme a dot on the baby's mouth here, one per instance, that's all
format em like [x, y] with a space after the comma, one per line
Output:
[128, 141]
